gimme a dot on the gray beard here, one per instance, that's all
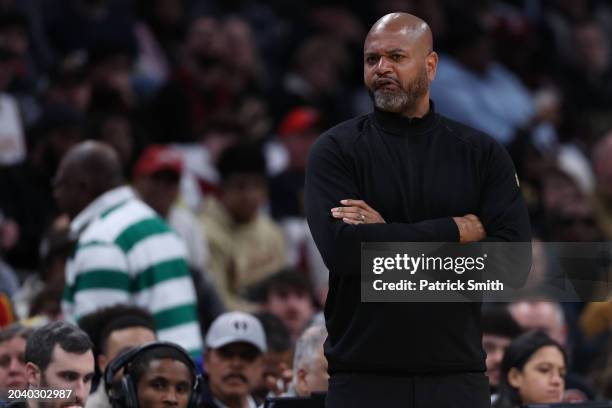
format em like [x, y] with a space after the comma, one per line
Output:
[401, 100]
[391, 101]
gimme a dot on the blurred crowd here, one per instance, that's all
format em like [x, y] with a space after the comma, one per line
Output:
[205, 110]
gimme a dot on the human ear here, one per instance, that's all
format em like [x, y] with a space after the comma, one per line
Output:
[32, 373]
[515, 377]
[102, 360]
[431, 63]
[301, 386]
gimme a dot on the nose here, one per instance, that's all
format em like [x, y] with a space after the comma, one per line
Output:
[236, 361]
[15, 366]
[170, 398]
[383, 66]
[557, 379]
[497, 356]
[81, 390]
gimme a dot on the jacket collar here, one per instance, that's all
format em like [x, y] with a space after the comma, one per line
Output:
[97, 207]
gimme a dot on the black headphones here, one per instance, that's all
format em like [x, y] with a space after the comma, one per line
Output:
[123, 395]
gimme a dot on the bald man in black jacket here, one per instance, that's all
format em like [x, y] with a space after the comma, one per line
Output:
[403, 173]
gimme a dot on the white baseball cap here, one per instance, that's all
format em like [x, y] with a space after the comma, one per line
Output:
[234, 327]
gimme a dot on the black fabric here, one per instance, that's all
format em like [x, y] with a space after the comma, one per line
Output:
[417, 173]
[466, 390]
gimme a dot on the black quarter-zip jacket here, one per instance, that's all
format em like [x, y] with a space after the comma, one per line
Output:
[418, 174]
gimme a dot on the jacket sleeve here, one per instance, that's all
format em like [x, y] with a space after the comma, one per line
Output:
[505, 218]
[502, 209]
[330, 177]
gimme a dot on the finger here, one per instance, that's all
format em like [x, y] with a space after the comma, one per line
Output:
[357, 203]
[351, 221]
[348, 212]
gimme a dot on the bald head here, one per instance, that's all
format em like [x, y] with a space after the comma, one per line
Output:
[399, 64]
[412, 27]
[87, 171]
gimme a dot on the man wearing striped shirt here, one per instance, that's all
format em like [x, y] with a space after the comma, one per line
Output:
[125, 253]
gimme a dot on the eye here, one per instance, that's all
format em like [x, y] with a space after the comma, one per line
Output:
[397, 57]
[69, 376]
[371, 59]
[182, 388]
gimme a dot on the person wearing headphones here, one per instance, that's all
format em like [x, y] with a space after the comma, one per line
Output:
[159, 374]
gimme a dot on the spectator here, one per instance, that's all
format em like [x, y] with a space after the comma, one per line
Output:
[198, 89]
[47, 303]
[115, 129]
[156, 374]
[113, 330]
[201, 176]
[55, 248]
[26, 196]
[124, 250]
[588, 78]
[534, 314]
[288, 295]
[498, 331]
[58, 355]
[298, 130]
[533, 371]
[156, 179]
[109, 68]
[310, 365]
[12, 357]
[468, 82]
[246, 246]
[69, 84]
[319, 86]
[278, 358]
[234, 359]
[549, 317]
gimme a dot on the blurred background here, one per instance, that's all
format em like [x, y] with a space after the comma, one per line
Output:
[175, 85]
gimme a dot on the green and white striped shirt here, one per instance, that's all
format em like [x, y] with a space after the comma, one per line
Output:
[127, 254]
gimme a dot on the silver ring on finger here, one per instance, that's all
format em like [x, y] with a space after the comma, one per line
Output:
[362, 217]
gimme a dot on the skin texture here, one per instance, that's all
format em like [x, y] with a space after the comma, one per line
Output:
[67, 371]
[542, 378]
[88, 170]
[243, 195]
[167, 383]
[277, 371]
[120, 340]
[540, 316]
[494, 346]
[159, 190]
[399, 65]
[293, 307]
[234, 370]
[313, 377]
[12, 365]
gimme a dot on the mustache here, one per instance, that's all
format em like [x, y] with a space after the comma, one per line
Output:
[235, 375]
[382, 81]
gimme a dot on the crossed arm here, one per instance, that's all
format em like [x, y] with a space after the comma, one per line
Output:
[356, 212]
[331, 193]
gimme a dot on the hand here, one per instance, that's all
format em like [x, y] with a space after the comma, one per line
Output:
[278, 383]
[470, 228]
[357, 212]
